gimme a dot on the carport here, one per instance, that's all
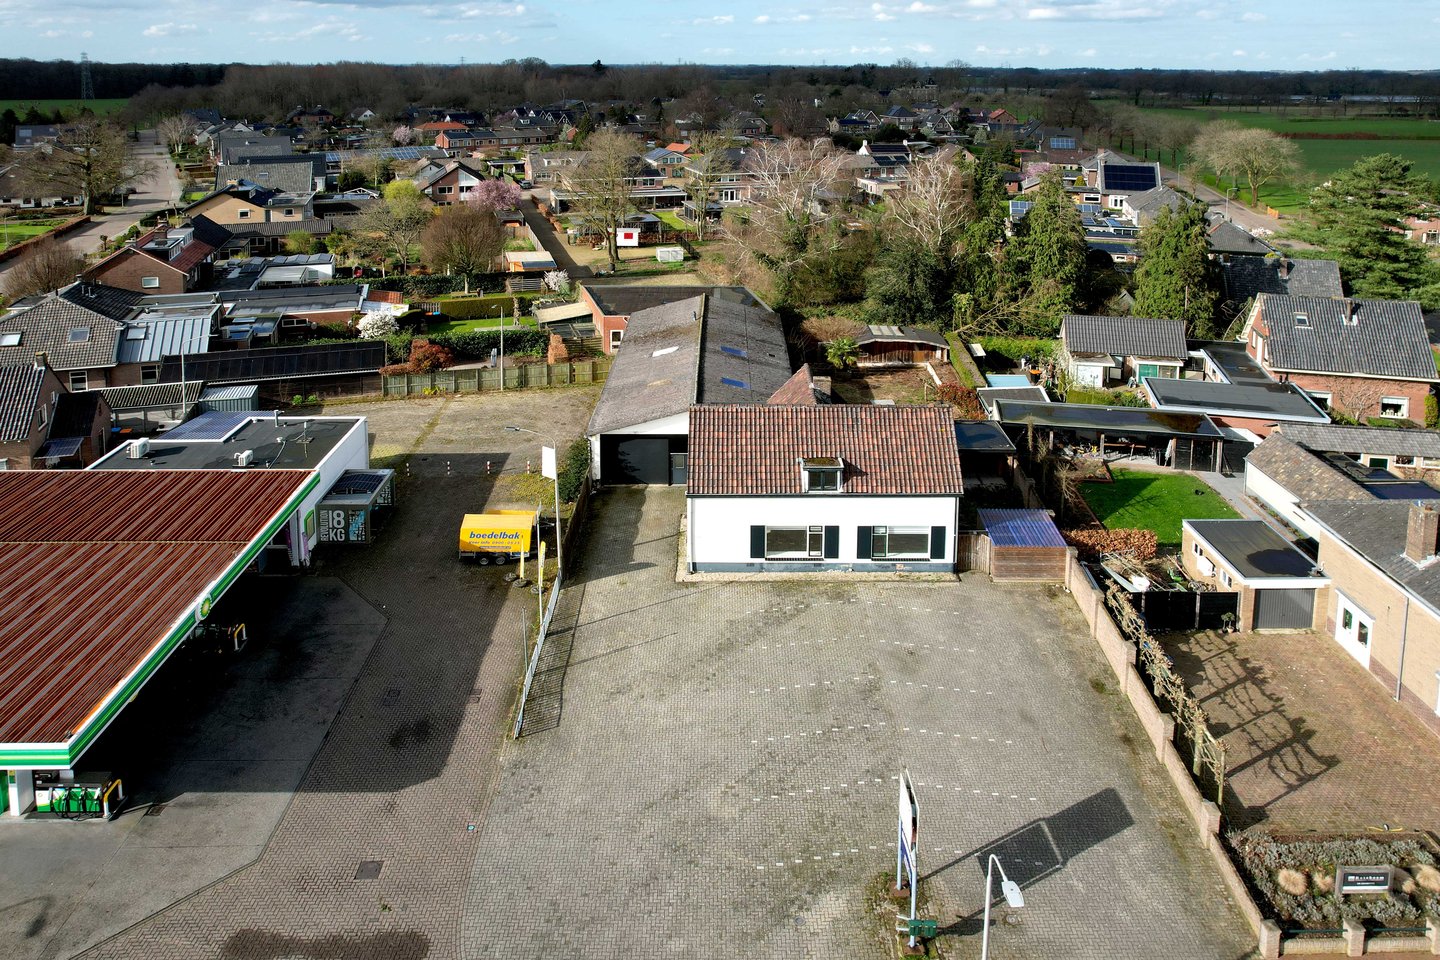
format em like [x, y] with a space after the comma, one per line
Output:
[1278, 585]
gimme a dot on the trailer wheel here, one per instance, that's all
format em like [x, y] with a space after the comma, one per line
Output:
[482, 559]
[501, 559]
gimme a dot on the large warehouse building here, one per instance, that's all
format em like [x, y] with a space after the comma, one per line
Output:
[111, 569]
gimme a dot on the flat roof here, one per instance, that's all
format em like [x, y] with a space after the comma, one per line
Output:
[1116, 421]
[1264, 401]
[1233, 360]
[295, 443]
[982, 436]
[1020, 528]
[105, 571]
[1255, 551]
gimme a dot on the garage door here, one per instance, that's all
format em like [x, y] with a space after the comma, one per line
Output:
[637, 459]
[1284, 609]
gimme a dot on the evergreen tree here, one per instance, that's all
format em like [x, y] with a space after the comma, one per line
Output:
[1046, 260]
[1356, 217]
[977, 278]
[909, 285]
[1174, 280]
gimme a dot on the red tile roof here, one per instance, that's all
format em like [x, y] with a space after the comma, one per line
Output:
[752, 450]
[100, 566]
[797, 391]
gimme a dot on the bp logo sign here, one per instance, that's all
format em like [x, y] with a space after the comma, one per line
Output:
[203, 610]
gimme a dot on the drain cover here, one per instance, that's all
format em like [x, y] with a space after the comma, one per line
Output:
[391, 696]
[368, 869]
[155, 810]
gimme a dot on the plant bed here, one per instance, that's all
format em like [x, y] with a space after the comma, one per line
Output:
[1293, 879]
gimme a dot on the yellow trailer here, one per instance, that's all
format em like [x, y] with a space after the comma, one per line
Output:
[497, 537]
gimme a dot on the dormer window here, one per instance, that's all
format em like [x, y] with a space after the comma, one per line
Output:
[822, 474]
[1302, 320]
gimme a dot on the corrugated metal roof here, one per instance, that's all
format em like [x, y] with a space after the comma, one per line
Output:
[100, 566]
[238, 391]
[150, 341]
[1020, 528]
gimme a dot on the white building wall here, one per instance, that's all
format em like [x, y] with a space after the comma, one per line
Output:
[1277, 498]
[674, 425]
[719, 527]
[351, 453]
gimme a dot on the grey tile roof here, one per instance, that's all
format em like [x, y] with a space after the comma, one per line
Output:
[292, 174]
[704, 349]
[1246, 277]
[1376, 530]
[1147, 205]
[1225, 237]
[19, 393]
[753, 450]
[47, 327]
[1386, 339]
[108, 301]
[1301, 472]
[1341, 438]
[1124, 336]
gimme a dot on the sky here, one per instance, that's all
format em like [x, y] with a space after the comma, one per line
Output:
[1205, 34]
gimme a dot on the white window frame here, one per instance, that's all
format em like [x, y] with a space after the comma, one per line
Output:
[1322, 399]
[814, 543]
[617, 336]
[149, 373]
[1402, 402]
[11, 338]
[84, 383]
[879, 534]
[150, 283]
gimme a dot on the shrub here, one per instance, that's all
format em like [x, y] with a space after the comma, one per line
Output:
[427, 357]
[373, 326]
[477, 344]
[1094, 541]
[1432, 412]
[964, 399]
[574, 470]
[1398, 423]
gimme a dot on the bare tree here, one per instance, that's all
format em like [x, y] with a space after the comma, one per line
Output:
[46, 266]
[932, 210]
[709, 160]
[91, 159]
[463, 240]
[1256, 156]
[790, 184]
[394, 226]
[601, 184]
[173, 131]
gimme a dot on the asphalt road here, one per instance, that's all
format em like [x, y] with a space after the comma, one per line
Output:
[159, 190]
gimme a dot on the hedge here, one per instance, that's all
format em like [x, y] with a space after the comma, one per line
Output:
[575, 470]
[477, 344]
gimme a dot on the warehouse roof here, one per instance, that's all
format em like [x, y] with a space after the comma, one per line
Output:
[105, 571]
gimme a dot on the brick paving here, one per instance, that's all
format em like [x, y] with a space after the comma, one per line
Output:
[1312, 740]
[407, 770]
[710, 773]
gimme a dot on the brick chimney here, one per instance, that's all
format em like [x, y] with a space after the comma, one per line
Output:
[1284, 268]
[1422, 531]
[42, 360]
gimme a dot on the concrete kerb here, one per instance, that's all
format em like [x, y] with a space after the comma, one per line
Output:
[1160, 727]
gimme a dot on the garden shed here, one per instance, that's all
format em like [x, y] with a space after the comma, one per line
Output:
[1024, 545]
[893, 346]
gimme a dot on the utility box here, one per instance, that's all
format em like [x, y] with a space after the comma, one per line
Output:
[497, 537]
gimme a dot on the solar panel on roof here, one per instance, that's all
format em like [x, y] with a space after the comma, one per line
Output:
[352, 483]
[732, 382]
[1128, 176]
[1062, 143]
[733, 351]
[214, 425]
[1018, 208]
[1088, 207]
[61, 447]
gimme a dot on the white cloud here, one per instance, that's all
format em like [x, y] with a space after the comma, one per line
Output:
[1253, 17]
[713, 21]
[762, 19]
[870, 51]
[920, 48]
[1099, 10]
[1087, 52]
[169, 29]
[918, 7]
[492, 10]
[797, 18]
[1237, 53]
[498, 37]
[718, 51]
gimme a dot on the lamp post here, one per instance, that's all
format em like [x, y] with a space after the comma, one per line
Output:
[1013, 897]
[183, 345]
[555, 449]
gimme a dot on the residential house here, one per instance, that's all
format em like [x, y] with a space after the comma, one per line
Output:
[234, 146]
[611, 305]
[648, 190]
[834, 487]
[361, 115]
[450, 183]
[29, 136]
[310, 117]
[901, 117]
[1410, 454]
[165, 260]
[1144, 208]
[1279, 587]
[463, 140]
[720, 346]
[886, 345]
[666, 161]
[1244, 278]
[1383, 560]
[1228, 240]
[542, 166]
[301, 173]
[16, 191]
[737, 182]
[1424, 229]
[1282, 472]
[855, 124]
[78, 344]
[29, 393]
[1103, 351]
[1112, 180]
[1365, 358]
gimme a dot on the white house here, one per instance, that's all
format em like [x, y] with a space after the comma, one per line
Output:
[822, 487]
[1099, 351]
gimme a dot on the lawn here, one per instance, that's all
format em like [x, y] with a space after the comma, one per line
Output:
[70, 108]
[14, 231]
[1156, 501]
[478, 323]
[671, 220]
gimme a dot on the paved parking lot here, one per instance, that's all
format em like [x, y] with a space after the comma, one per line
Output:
[715, 776]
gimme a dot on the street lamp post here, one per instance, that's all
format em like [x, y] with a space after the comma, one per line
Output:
[1013, 897]
[559, 554]
[183, 346]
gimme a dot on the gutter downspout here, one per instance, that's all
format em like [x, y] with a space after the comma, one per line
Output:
[1404, 635]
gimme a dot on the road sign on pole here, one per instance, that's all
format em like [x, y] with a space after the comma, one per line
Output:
[908, 832]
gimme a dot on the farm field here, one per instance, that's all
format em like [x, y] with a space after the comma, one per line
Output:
[67, 107]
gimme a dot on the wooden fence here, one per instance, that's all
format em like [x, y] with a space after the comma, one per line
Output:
[481, 379]
[972, 551]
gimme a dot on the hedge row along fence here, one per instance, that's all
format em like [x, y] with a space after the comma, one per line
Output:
[24, 245]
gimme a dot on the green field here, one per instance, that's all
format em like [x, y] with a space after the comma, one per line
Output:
[1140, 499]
[68, 107]
[1416, 140]
[14, 231]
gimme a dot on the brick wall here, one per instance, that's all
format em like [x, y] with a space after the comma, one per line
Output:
[1360, 396]
[126, 271]
[1381, 599]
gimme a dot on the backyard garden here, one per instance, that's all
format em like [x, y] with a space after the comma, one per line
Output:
[1152, 500]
